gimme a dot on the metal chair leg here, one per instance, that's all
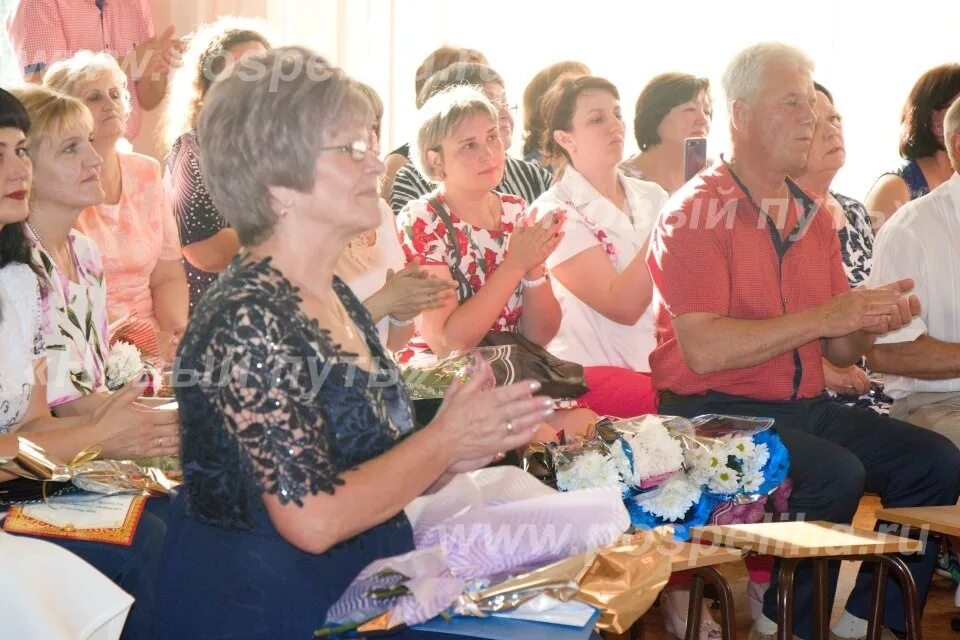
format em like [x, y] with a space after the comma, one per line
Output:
[821, 608]
[877, 595]
[911, 600]
[788, 569]
[695, 607]
[724, 599]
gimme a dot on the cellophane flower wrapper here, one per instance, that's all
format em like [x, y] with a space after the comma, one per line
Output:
[740, 461]
[421, 580]
[430, 383]
[647, 449]
[107, 477]
[512, 523]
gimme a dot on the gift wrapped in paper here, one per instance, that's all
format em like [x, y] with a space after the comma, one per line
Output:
[87, 472]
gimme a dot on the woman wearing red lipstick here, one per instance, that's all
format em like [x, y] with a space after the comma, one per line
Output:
[23, 406]
[671, 108]
[133, 227]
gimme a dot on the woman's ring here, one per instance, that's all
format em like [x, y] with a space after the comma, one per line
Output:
[509, 427]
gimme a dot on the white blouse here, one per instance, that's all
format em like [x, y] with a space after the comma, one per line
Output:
[364, 269]
[586, 336]
[21, 340]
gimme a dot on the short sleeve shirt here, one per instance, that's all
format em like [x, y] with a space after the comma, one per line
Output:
[133, 236]
[46, 31]
[21, 341]
[712, 251]
[424, 237]
[586, 336]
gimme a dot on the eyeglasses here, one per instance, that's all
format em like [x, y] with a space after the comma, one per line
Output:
[357, 149]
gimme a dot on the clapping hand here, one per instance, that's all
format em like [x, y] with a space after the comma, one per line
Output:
[128, 430]
[478, 425]
[532, 241]
[159, 55]
[874, 310]
[412, 290]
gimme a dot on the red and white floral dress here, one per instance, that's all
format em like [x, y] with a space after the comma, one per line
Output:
[424, 236]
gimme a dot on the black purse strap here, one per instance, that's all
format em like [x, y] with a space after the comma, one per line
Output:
[464, 290]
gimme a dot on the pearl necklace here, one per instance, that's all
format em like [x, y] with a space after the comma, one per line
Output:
[71, 272]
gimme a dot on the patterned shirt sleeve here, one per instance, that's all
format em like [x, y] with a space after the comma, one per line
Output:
[37, 34]
[197, 217]
[423, 236]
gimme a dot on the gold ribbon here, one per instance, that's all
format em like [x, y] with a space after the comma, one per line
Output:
[85, 455]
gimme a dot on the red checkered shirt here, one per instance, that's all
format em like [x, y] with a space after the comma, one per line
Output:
[713, 252]
[45, 31]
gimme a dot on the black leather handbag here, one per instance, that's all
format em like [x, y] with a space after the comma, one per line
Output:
[515, 357]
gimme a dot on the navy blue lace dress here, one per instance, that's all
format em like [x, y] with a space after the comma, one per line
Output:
[273, 407]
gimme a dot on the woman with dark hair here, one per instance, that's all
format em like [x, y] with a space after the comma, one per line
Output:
[533, 124]
[23, 396]
[926, 165]
[209, 244]
[671, 108]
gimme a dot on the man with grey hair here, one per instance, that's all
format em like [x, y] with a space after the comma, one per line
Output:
[751, 295]
[921, 361]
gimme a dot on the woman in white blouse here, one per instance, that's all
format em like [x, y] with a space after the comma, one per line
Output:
[599, 269]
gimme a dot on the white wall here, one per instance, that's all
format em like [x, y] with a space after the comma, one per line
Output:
[867, 55]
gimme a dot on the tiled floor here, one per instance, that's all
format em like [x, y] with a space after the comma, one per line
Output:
[936, 617]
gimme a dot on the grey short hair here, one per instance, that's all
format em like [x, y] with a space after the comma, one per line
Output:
[742, 77]
[951, 127]
[261, 126]
[440, 115]
[66, 75]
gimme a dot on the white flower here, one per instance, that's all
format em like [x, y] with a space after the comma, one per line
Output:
[123, 364]
[588, 470]
[740, 447]
[671, 500]
[724, 480]
[655, 451]
[752, 479]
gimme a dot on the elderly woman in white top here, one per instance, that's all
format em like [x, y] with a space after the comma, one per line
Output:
[599, 270]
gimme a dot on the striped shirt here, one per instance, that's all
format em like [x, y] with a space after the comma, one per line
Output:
[520, 178]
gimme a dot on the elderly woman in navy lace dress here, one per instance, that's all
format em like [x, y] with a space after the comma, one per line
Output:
[299, 445]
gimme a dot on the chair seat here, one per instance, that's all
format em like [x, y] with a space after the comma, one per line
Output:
[945, 519]
[805, 539]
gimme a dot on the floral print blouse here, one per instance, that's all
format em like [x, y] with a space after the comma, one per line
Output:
[74, 321]
[424, 236]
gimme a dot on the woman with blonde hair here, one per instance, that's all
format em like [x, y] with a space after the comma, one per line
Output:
[133, 227]
[208, 243]
[75, 331]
